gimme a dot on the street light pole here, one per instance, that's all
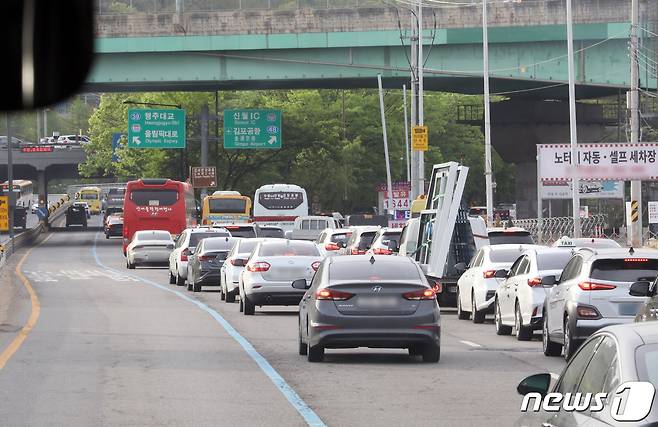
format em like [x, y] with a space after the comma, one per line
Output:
[388, 164]
[487, 116]
[636, 186]
[421, 111]
[415, 190]
[406, 132]
[575, 184]
[10, 181]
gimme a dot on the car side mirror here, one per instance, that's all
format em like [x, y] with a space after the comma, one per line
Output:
[461, 267]
[548, 281]
[501, 274]
[639, 289]
[300, 284]
[393, 245]
[538, 383]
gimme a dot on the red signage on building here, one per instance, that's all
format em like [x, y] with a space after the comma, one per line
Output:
[37, 149]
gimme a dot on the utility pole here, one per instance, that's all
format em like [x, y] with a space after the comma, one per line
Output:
[421, 110]
[575, 183]
[406, 132]
[204, 142]
[487, 116]
[391, 208]
[636, 186]
[415, 190]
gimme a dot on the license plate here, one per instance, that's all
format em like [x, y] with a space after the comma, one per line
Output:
[377, 302]
[628, 309]
[452, 289]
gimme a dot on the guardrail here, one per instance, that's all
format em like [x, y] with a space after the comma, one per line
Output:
[55, 210]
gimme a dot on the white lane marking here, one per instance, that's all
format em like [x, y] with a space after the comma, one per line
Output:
[470, 343]
[71, 275]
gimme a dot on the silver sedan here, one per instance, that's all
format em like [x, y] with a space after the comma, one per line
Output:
[270, 269]
[149, 247]
[369, 301]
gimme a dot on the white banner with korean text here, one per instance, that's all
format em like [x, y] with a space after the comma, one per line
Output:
[599, 162]
[587, 189]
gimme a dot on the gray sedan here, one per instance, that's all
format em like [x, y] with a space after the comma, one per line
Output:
[608, 362]
[206, 260]
[369, 301]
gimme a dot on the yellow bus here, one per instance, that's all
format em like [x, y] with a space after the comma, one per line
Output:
[91, 195]
[228, 207]
[418, 205]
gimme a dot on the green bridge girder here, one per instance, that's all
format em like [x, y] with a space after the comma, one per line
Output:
[527, 61]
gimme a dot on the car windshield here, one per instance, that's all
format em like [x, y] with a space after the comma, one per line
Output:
[288, 248]
[388, 237]
[150, 235]
[553, 261]
[217, 243]
[154, 197]
[646, 359]
[365, 239]
[246, 232]
[225, 205]
[89, 196]
[340, 237]
[271, 232]
[246, 246]
[195, 238]
[629, 269]
[504, 255]
[509, 237]
[360, 271]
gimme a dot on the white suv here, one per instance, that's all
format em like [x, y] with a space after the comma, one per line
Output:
[185, 243]
[593, 292]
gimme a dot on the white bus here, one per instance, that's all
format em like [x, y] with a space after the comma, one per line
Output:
[279, 205]
[23, 192]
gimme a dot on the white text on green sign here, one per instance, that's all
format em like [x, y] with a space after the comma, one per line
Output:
[153, 128]
[252, 129]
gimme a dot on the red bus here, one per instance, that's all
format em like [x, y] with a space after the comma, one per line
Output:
[157, 204]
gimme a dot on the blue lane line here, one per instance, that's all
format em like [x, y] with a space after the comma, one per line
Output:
[309, 415]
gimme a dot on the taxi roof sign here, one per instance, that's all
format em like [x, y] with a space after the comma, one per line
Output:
[565, 242]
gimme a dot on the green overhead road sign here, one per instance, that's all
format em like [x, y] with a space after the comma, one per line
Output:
[252, 129]
[151, 128]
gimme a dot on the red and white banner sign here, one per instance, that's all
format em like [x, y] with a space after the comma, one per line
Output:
[599, 162]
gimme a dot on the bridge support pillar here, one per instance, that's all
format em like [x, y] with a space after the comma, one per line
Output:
[517, 126]
[43, 187]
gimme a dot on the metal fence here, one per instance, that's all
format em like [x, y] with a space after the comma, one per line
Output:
[114, 7]
[552, 229]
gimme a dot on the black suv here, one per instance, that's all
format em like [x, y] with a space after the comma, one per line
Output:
[76, 215]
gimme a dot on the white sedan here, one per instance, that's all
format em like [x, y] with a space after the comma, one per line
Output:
[476, 288]
[271, 269]
[520, 298]
[149, 247]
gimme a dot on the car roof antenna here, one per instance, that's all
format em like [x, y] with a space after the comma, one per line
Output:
[372, 259]
[631, 250]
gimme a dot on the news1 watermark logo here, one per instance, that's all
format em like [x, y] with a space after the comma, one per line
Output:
[631, 401]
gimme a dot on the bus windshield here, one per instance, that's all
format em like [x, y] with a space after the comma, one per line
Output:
[227, 205]
[89, 196]
[154, 197]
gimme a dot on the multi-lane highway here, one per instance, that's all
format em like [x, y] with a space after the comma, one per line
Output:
[119, 347]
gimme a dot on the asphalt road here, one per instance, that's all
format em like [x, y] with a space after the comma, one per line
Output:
[117, 347]
[31, 221]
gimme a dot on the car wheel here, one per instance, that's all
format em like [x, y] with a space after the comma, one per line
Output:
[315, 353]
[500, 328]
[230, 297]
[550, 348]
[303, 348]
[461, 314]
[241, 306]
[179, 280]
[523, 333]
[477, 316]
[222, 294]
[431, 353]
[107, 237]
[189, 283]
[248, 307]
[196, 287]
[570, 346]
[415, 350]
[172, 279]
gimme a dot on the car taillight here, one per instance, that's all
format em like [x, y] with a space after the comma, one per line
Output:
[488, 274]
[436, 287]
[535, 281]
[316, 265]
[382, 251]
[332, 294]
[420, 294]
[331, 246]
[590, 286]
[238, 262]
[184, 254]
[258, 266]
[206, 257]
[357, 252]
[587, 312]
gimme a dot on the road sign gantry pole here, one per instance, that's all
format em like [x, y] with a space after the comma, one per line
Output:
[636, 186]
[487, 116]
[573, 132]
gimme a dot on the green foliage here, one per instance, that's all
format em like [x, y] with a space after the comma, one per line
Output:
[332, 143]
